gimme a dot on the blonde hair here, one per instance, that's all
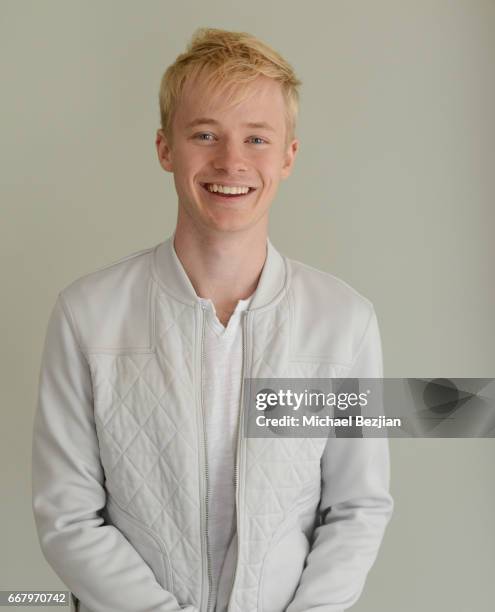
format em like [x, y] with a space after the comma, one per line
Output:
[227, 58]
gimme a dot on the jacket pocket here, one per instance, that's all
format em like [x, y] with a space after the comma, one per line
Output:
[147, 544]
[286, 556]
[282, 570]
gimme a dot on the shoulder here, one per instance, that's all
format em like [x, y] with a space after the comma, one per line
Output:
[326, 290]
[100, 302]
[106, 278]
[330, 317]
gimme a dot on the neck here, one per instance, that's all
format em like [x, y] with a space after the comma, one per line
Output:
[223, 268]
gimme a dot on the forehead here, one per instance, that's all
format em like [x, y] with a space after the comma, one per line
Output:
[259, 101]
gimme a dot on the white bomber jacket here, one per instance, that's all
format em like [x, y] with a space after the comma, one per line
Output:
[119, 471]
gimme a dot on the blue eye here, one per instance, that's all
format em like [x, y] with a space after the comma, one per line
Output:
[206, 134]
[202, 134]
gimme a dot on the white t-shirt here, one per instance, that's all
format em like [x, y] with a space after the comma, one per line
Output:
[221, 397]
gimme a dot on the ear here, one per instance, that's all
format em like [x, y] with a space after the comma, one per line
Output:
[290, 158]
[164, 151]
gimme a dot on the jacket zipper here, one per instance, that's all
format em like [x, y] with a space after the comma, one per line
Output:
[238, 458]
[208, 557]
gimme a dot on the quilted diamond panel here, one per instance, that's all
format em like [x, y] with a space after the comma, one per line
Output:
[146, 422]
[277, 471]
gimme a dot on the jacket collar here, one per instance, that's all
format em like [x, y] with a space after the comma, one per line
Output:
[171, 275]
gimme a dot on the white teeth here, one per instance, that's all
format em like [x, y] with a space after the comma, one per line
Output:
[213, 187]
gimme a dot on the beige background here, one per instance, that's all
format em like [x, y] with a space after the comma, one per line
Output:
[393, 191]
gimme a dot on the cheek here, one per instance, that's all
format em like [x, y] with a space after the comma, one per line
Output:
[271, 175]
[272, 166]
[186, 172]
[188, 160]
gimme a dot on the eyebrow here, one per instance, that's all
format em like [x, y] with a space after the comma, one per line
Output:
[252, 124]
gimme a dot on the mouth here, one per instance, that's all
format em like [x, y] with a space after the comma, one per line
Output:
[226, 196]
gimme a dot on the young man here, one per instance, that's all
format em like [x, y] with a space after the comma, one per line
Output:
[146, 494]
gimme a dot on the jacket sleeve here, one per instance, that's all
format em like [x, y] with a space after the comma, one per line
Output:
[93, 559]
[355, 506]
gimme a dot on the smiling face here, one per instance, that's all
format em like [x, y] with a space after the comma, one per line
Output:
[216, 146]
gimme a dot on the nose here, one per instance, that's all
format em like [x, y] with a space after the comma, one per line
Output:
[229, 158]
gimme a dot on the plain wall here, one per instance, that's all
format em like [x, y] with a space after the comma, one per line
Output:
[393, 191]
